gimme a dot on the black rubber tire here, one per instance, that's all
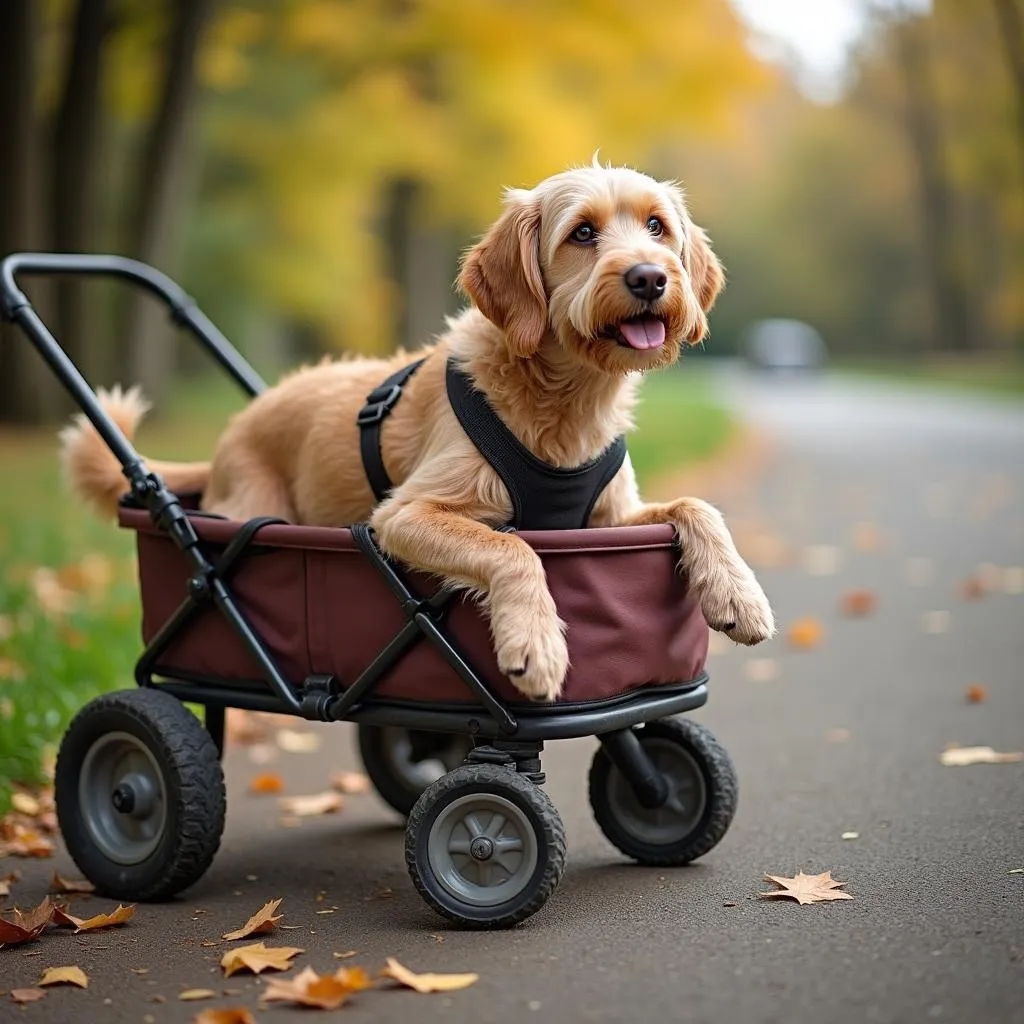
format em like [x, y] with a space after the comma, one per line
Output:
[397, 792]
[721, 796]
[548, 832]
[191, 774]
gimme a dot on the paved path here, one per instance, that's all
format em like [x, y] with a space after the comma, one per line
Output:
[846, 739]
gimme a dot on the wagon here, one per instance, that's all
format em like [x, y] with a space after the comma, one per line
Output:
[319, 623]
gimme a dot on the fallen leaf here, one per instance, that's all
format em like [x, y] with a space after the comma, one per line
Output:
[139, 970]
[347, 955]
[972, 588]
[27, 995]
[293, 742]
[21, 841]
[1017, 871]
[427, 982]
[976, 694]
[858, 603]
[122, 915]
[350, 782]
[192, 994]
[258, 957]
[266, 782]
[935, 622]
[851, 835]
[7, 881]
[313, 805]
[25, 926]
[958, 757]
[806, 888]
[260, 923]
[308, 988]
[805, 633]
[25, 803]
[70, 885]
[229, 1015]
[761, 670]
[64, 976]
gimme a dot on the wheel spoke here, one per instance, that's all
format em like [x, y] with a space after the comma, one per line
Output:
[472, 824]
[458, 846]
[496, 824]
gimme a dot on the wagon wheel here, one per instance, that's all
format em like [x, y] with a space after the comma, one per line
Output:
[402, 763]
[485, 846]
[702, 796]
[140, 797]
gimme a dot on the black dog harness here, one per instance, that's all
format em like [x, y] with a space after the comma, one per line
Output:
[544, 497]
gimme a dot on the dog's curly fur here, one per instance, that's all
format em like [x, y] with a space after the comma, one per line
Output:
[542, 341]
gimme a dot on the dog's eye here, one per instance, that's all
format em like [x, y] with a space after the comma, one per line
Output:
[584, 233]
[655, 226]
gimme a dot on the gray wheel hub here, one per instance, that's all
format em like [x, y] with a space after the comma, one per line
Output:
[482, 849]
[122, 798]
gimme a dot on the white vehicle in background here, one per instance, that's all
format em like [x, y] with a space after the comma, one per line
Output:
[783, 346]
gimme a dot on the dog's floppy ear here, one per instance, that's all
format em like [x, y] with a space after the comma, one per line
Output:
[703, 266]
[501, 274]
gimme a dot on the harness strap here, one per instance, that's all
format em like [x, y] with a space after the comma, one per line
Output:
[379, 403]
[544, 497]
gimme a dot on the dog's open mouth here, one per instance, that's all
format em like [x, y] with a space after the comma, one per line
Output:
[640, 332]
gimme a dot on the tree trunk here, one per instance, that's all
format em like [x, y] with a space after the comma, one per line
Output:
[949, 299]
[74, 152]
[26, 390]
[145, 348]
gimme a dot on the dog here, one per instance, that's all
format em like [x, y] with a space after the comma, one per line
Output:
[561, 325]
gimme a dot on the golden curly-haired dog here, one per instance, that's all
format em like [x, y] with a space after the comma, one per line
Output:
[562, 324]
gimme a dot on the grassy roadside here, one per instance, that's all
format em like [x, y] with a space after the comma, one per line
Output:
[69, 615]
[1000, 376]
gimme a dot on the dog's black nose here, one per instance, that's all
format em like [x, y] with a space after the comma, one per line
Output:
[646, 281]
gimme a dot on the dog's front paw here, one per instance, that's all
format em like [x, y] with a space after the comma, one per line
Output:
[530, 649]
[733, 603]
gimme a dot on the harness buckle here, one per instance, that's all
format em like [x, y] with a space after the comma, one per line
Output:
[379, 402]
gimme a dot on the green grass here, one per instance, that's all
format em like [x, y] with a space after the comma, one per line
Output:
[998, 375]
[50, 666]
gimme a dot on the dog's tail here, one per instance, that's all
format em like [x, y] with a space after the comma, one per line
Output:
[91, 468]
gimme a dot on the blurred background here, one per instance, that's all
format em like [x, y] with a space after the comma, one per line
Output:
[311, 170]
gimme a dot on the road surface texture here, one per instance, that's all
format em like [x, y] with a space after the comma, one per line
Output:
[900, 493]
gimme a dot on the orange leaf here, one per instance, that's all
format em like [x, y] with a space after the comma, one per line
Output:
[260, 923]
[350, 782]
[327, 991]
[27, 995]
[972, 588]
[805, 633]
[976, 694]
[229, 1015]
[858, 603]
[64, 976]
[427, 982]
[266, 782]
[20, 841]
[259, 957]
[122, 915]
[25, 926]
[806, 888]
[70, 885]
[312, 806]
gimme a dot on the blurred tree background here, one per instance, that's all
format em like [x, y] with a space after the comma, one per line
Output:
[310, 170]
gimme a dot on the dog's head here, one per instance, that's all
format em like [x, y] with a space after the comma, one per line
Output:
[606, 260]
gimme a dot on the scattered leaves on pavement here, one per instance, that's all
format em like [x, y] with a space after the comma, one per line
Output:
[805, 633]
[313, 805]
[192, 994]
[350, 782]
[229, 1015]
[260, 923]
[294, 742]
[958, 757]
[64, 976]
[70, 885]
[258, 957]
[25, 803]
[761, 670]
[27, 995]
[426, 982]
[976, 694]
[26, 925]
[326, 991]
[266, 782]
[6, 881]
[806, 888]
[20, 840]
[122, 915]
[859, 603]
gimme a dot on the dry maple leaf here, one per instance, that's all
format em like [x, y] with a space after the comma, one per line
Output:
[70, 885]
[27, 995]
[122, 915]
[258, 957]
[976, 694]
[7, 881]
[426, 982]
[858, 603]
[229, 1015]
[266, 782]
[806, 888]
[26, 925]
[959, 757]
[805, 633]
[20, 841]
[350, 782]
[312, 806]
[327, 991]
[64, 976]
[192, 994]
[260, 923]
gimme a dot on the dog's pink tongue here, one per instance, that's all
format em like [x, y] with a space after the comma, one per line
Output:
[644, 333]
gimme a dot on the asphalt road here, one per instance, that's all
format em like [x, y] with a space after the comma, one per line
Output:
[908, 494]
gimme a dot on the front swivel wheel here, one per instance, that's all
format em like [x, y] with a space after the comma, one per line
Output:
[485, 846]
